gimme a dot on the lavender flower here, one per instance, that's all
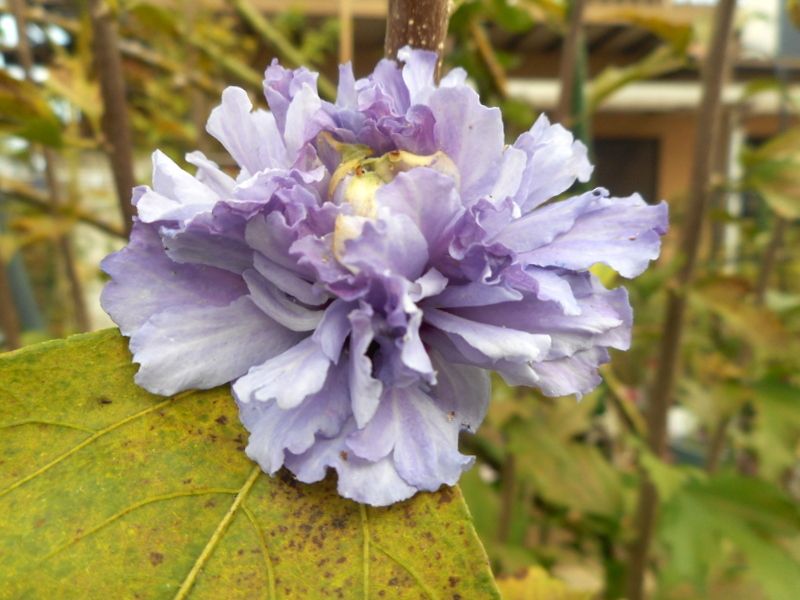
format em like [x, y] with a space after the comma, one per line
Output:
[369, 265]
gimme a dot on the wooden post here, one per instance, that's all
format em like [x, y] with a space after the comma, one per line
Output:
[116, 122]
[660, 397]
[417, 23]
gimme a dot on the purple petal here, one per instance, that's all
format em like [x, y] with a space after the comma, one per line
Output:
[277, 378]
[555, 161]
[279, 306]
[202, 347]
[494, 342]
[144, 281]
[274, 431]
[365, 390]
[471, 135]
[251, 138]
[176, 195]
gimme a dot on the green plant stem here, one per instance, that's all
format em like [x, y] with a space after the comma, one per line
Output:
[116, 121]
[660, 397]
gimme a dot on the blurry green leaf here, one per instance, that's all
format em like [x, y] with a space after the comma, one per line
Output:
[565, 472]
[754, 516]
[726, 297]
[776, 436]
[109, 492]
[25, 112]
[668, 479]
[773, 172]
[537, 584]
[660, 61]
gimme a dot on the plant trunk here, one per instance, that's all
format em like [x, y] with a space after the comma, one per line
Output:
[116, 122]
[660, 397]
[417, 23]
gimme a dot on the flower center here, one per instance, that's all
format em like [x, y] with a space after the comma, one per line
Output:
[358, 178]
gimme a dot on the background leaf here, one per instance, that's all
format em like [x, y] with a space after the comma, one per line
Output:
[108, 492]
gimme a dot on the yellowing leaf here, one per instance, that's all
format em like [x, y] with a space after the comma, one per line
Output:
[773, 171]
[109, 492]
[536, 584]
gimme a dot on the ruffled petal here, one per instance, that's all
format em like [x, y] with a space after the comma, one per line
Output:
[275, 431]
[250, 137]
[202, 347]
[471, 135]
[491, 341]
[176, 195]
[624, 233]
[555, 161]
[144, 281]
[411, 193]
[279, 306]
[365, 390]
[277, 378]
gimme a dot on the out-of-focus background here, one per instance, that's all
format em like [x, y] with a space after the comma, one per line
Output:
[557, 482]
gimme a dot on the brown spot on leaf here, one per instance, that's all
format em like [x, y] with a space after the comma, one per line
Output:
[102, 400]
[453, 581]
[222, 420]
[156, 558]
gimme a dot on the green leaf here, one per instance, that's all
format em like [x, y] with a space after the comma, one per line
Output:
[773, 171]
[109, 492]
[758, 519]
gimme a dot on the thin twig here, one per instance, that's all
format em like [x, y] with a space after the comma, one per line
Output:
[488, 56]
[29, 195]
[663, 386]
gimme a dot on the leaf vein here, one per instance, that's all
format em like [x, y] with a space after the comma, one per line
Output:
[428, 592]
[365, 529]
[86, 442]
[271, 592]
[44, 422]
[188, 582]
[135, 506]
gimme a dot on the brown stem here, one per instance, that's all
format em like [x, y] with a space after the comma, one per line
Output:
[508, 478]
[569, 57]
[717, 444]
[63, 243]
[9, 319]
[770, 259]
[116, 123]
[664, 382]
[417, 23]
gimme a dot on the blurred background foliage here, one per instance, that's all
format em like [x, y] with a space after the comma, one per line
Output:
[554, 492]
